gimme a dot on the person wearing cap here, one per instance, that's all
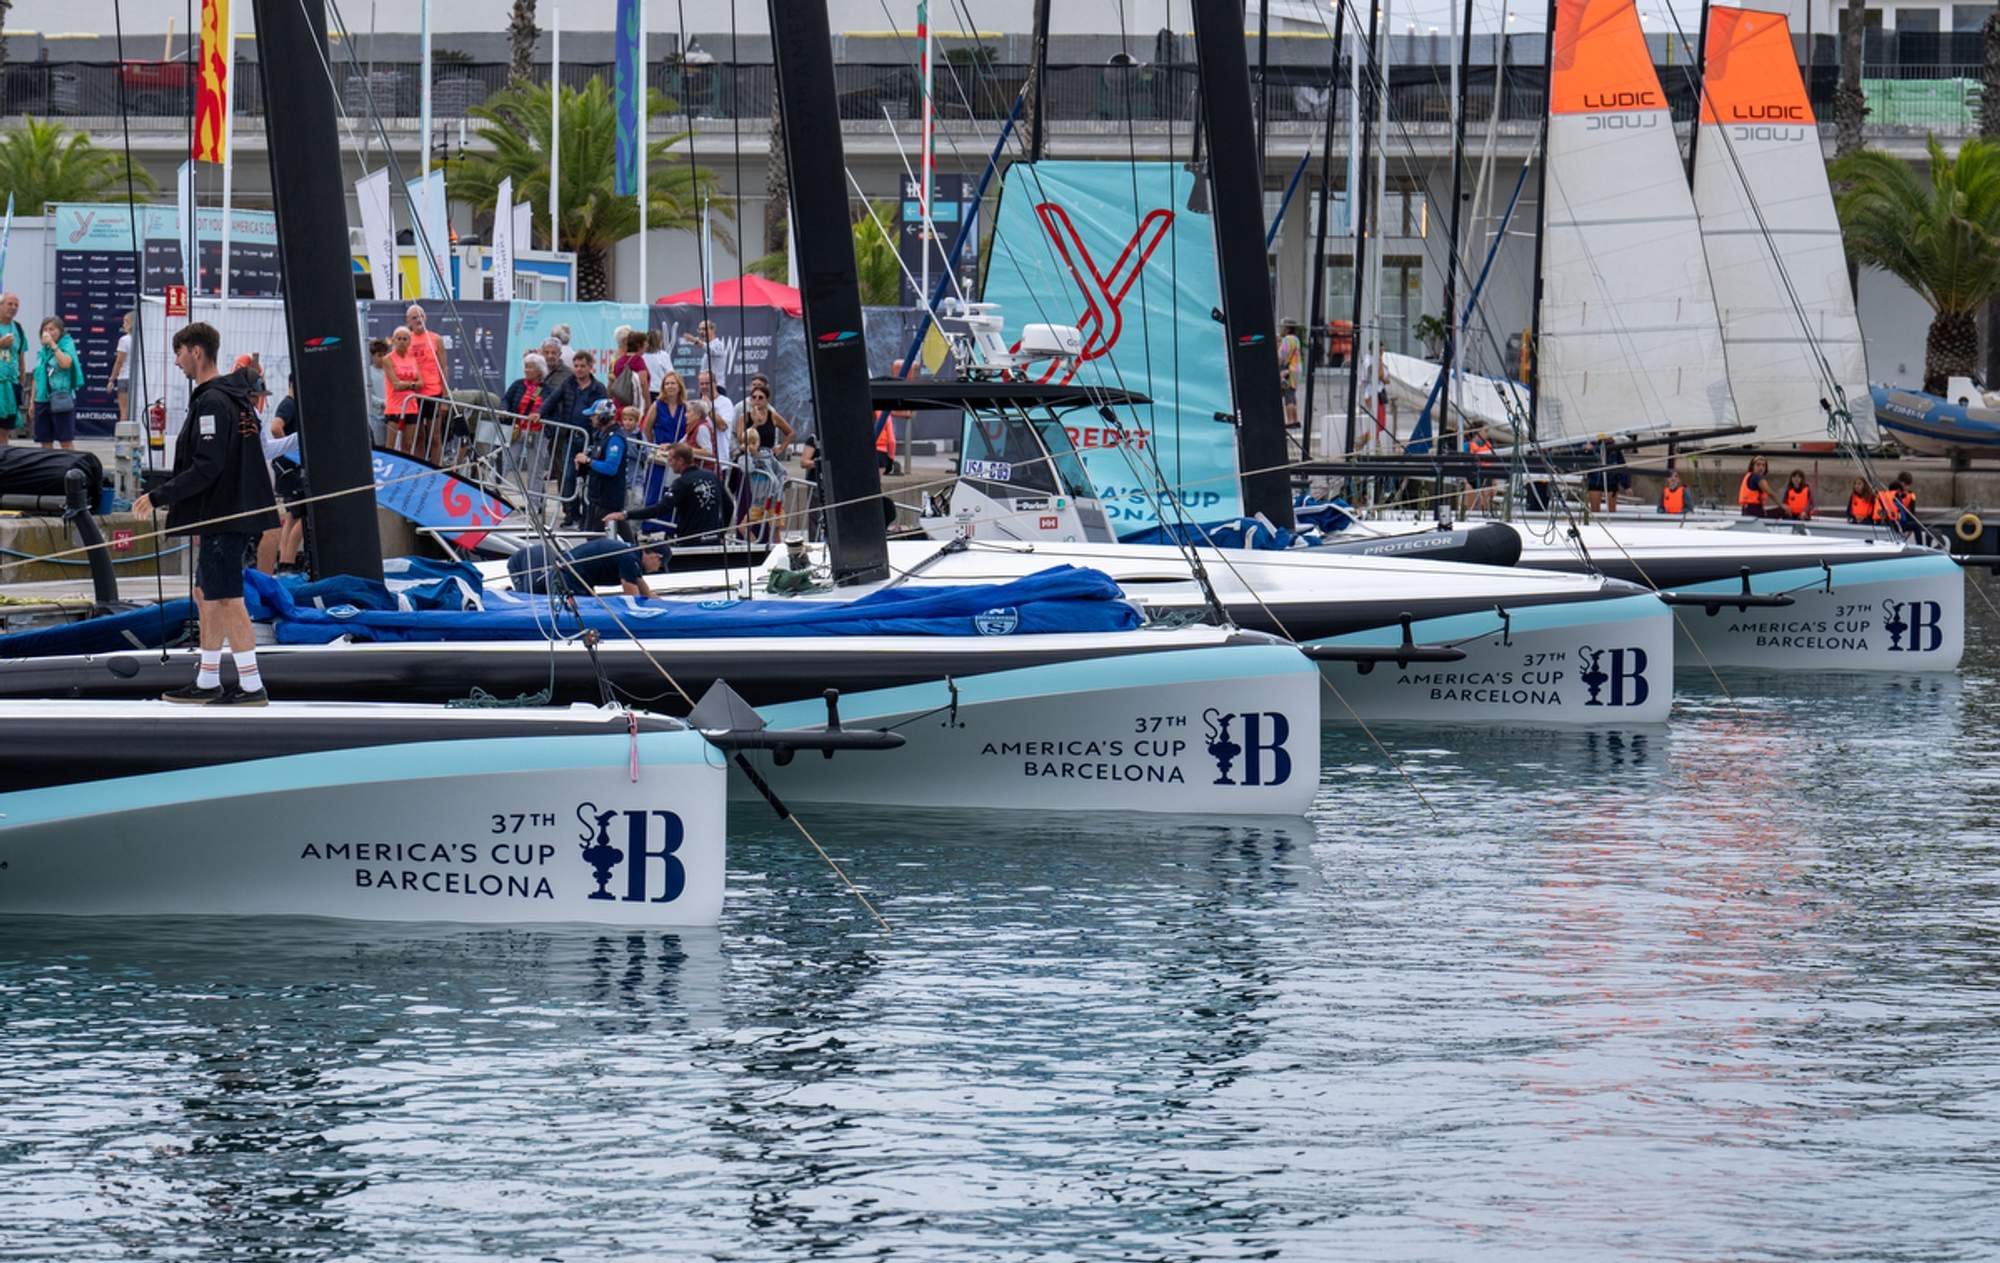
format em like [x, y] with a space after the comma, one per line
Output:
[604, 461]
[595, 563]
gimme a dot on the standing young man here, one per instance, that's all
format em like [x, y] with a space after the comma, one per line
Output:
[221, 492]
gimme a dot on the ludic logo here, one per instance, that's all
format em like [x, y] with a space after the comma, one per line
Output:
[1626, 676]
[1249, 339]
[1265, 762]
[834, 338]
[604, 858]
[1913, 626]
[321, 343]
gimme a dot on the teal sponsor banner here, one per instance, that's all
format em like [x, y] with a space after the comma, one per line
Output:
[1112, 249]
[590, 328]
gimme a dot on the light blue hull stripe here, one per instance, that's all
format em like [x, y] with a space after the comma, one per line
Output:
[1528, 618]
[1888, 570]
[359, 767]
[1122, 671]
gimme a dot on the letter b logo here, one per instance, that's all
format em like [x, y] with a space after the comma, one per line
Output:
[1256, 725]
[1926, 634]
[639, 856]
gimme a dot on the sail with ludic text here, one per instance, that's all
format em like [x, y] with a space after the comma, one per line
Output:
[1773, 239]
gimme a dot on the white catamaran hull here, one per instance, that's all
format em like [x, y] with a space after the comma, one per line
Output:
[1230, 731]
[516, 830]
[1905, 614]
[1596, 664]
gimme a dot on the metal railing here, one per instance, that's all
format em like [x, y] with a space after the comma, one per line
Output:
[1907, 89]
[527, 456]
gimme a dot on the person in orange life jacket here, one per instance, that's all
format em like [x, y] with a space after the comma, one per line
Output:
[1675, 498]
[1478, 487]
[1906, 499]
[1860, 504]
[604, 463]
[1754, 496]
[221, 491]
[885, 440]
[1896, 504]
[1798, 497]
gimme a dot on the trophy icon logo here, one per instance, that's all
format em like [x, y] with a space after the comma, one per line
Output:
[1594, 677]
[596, 847]
[1892, 622]
[1220, 747]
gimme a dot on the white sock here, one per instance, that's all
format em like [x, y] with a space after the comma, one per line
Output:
[210, 675]
[248, 677]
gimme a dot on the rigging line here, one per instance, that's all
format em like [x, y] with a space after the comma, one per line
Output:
[902, 154]
[701, 253]
[136, 367]
[901, 266]
[1222, 555]
[1817, 358]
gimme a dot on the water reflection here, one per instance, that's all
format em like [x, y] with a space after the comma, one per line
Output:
[1716, 991]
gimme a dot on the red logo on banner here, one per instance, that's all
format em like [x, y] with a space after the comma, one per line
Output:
[1102, 321]
[177, 300]
[1050, 523]
[121, 541]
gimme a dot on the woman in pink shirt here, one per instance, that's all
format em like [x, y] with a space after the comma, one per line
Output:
[402, 380]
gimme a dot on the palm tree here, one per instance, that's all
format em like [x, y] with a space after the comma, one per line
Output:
[521, 37]
[515, 124]
[46, 162]
[1939, 235]
[877, 264]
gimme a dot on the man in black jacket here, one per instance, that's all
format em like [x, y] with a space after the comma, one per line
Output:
[221, 492]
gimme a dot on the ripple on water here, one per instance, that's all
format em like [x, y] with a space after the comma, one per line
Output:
[1721, 991]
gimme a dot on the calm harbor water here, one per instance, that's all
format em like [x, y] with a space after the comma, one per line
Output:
[1723, 991]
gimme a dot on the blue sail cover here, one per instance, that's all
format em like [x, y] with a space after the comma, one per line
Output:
[1112, 248]
[409, 583]
[1060, 599]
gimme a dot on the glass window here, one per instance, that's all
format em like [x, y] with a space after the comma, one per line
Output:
[1917, 21]
[1969, 17]
[1006, 446]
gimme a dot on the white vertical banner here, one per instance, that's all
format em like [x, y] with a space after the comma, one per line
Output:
[432, 234]
[503, 242]
[184, 225]
[524, 226]
[378, 231]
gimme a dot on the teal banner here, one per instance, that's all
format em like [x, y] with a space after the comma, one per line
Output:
[1112, 249]
[590, 328]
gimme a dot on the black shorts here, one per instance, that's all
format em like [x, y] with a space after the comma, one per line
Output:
[218, 566]
[288, 480]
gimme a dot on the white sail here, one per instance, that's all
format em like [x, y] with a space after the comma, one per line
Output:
[1629, 341]
[1773, 239]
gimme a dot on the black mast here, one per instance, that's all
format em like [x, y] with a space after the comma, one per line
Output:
[1316, 335]
[1263, 84]
[1697, 70]
[1362, 198]
[1037, 75]
[829, 292]
[1451, 246]
[1541, 230]
[308, 190]
[1236, 202]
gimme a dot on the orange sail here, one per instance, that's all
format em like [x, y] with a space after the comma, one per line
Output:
[211, 110]
[1601, 62]
[1751, 73]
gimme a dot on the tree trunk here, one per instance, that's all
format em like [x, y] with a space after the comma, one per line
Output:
[521, 37]
[1950, 350]
[777, 187]
[593, 277]
[1850, 105]
[4, 6]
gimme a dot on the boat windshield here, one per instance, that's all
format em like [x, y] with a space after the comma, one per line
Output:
[1025, 455]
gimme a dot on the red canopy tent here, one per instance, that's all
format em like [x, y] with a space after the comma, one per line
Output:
[744, 291]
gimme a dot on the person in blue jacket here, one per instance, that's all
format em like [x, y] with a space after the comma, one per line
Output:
[604, 461]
